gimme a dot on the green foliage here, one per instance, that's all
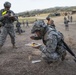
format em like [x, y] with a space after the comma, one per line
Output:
[48, 10]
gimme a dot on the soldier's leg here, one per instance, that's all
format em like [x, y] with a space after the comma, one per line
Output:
[65, 27]
[19, 30]
[54, 57]
[3, 36]
[68, 27]
[46, 59]
[12, 35]
[63, 55]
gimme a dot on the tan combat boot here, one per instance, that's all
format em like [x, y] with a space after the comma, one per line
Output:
[14, 46]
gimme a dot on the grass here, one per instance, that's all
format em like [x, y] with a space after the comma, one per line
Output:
[32, 19]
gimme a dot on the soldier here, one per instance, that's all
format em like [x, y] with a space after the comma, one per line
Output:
[50, 23]
[18, 25]
[27, 24]
[53, 50]
[36, 20]
[23, 24]
[66, 21]
[71, 18]
[7, 17]
[0, 26]
[68, 17]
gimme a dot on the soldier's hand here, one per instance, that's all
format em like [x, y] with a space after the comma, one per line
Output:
[12, 17]
[6, 15]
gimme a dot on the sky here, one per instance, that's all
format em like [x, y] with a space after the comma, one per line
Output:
[27, 5]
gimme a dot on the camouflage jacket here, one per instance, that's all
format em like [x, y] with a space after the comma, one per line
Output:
[7, 20]
[52, 42]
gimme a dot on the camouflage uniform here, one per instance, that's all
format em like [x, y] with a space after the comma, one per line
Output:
[71, 18]
[27, 25]
[52, 26]
[53, 49]
[66, 23]
[7, 28]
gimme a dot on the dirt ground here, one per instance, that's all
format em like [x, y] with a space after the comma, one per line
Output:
[19, 61]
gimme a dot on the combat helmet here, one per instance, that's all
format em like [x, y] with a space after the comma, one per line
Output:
[38, 26]
[7, 4]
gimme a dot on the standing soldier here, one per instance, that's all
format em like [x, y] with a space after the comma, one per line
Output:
[23, 24]
[53, 51]
[71, 18]
[7, 17]
[68, 17]
[66, 23]
[27, 24]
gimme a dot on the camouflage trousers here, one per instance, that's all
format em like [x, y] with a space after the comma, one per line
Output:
[4, 32]
[53, 57]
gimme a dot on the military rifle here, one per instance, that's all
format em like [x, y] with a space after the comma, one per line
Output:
[69, 50]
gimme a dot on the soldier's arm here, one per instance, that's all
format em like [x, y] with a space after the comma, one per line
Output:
[50, 45]
[14, 16]
[35, 38]
[1, 17]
